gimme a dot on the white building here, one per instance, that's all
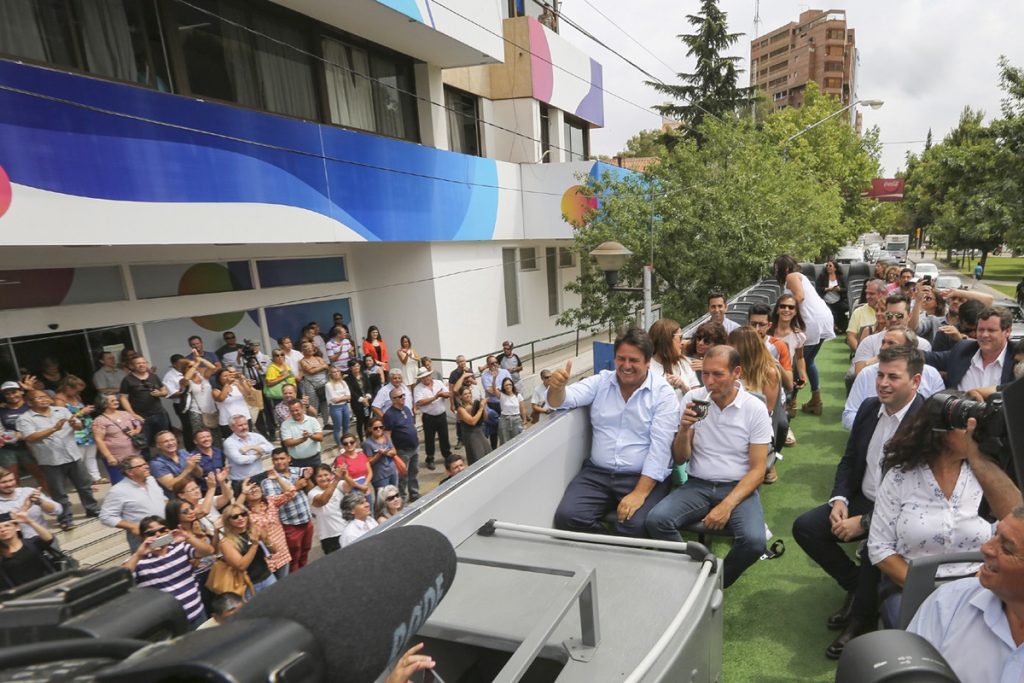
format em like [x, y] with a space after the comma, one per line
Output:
[179, 167]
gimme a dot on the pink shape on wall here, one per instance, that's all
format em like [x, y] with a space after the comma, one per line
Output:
[5, 191]
[540, 61]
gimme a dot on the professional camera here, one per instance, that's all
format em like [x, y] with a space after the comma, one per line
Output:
[249, 349]
[951, 409]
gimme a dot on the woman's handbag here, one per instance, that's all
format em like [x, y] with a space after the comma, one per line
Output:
[211, 420]
[224, 578]
[400, 466]
[138, 440]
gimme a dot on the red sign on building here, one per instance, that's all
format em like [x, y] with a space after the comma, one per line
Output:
[886, 189]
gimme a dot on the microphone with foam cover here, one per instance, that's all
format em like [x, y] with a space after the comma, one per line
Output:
[364, 603]
[345, 618]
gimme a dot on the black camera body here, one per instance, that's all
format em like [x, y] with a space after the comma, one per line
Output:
[951, 409]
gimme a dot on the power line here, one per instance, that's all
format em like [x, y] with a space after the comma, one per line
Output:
[643, 47]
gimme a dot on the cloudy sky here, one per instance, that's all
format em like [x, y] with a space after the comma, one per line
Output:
[925, 58]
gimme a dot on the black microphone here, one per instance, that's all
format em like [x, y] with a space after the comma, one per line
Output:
[364, 603]
[351, 615]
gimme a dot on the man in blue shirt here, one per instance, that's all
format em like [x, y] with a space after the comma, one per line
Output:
[211, 458]
[977, 624]
[633, 414]
[400, 425]
[173, 466]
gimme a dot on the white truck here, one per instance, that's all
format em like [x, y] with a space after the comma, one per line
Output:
[896, 248]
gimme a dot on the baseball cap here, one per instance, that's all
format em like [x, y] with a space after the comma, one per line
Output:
[7, 386]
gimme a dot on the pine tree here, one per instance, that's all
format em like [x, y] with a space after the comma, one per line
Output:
[712, 88]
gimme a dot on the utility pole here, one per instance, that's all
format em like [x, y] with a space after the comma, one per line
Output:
[753, 63]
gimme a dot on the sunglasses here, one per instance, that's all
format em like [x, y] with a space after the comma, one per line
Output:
[154, 532]
[377, 428]
[392, 497]
[890, 315]
[787, 307]
[238, 515]
[348, 443]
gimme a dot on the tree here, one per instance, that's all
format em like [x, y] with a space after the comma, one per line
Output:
[717, 214]
[646, 143]
[711, 90]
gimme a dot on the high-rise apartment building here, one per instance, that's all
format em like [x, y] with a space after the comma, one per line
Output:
[819, 47]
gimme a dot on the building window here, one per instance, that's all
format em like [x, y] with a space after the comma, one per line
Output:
[463, 121]
[370, 91]
[230, 63]
[577, 139]
[508, 264]
[566, 257]
[833, 66]
[545, 134]
[835, 34]
[551, 268]
[155, 280]
[117, 39]
[301, 271]
[516, 8]
[527, 258]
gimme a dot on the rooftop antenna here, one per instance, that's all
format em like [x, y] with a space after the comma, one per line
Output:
[753, 63]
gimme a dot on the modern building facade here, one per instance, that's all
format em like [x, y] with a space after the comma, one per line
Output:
[180, 167]
[818, 47]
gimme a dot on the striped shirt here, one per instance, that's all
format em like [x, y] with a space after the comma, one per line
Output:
[172, 573]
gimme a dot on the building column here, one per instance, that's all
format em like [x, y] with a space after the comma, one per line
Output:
[433, 119]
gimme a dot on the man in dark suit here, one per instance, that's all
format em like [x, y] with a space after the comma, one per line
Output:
[985, 361]
[847, 514]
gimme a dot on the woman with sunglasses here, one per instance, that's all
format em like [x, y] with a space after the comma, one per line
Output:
[381, 451]
[355, 508]
[168, 566]
[819, 323]
[706, 335]
[788, 326]
[246, 547]
[325, 504]
[182, 515]
[356, 465]
[279, 373]
[263, 510]
[389, 503]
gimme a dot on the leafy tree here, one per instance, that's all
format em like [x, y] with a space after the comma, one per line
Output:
[646, 143]
[716, 213]
[712, 89]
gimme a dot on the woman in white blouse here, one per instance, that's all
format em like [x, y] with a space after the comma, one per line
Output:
[230, 397]
[927, 502]
[339, 399]
[668, 359]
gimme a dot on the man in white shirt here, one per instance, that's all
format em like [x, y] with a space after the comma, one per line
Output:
[244, 450]
[728, 454]
[864, 385]
[431, 398]
[302, 435]
[897, 314]
[539, 400]
[128, 501]
[717, 308]
[977, 624]
[985, 361]
[382, 401]
[846, 517]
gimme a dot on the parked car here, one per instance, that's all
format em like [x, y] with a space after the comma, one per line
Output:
[1017, 331]
[948, 282]
[850, 255]
[922, 269]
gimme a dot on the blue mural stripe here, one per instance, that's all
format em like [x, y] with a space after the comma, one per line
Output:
[430, 194]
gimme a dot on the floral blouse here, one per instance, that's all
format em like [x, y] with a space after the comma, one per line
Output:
[913, 518]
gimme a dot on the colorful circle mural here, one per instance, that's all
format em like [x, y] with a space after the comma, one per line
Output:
[207, 278]
[5, 191]
[576, 206]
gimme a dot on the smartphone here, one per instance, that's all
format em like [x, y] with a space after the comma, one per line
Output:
[164, 540]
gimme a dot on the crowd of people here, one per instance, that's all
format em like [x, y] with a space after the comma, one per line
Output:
[685, 432]
[214, 506]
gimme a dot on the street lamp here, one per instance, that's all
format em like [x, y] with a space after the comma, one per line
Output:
[611, 257]
[874, 104]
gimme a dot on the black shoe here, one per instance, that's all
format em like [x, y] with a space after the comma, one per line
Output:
[89, 514]
[431, 466]
[841, 617]
[66, 524]
[852, 630]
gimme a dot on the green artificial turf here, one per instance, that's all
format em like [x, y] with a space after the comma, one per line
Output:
[1008, 290]
[775, 613]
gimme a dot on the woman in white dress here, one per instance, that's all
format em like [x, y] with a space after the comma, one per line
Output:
[817, 317]
[409, 360]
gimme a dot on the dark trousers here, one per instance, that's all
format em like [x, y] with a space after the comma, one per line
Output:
[595, 492]
[436, 425]
[80, 479]
[329, 545]
[153, 425]
[186, 427]
[813, 532]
